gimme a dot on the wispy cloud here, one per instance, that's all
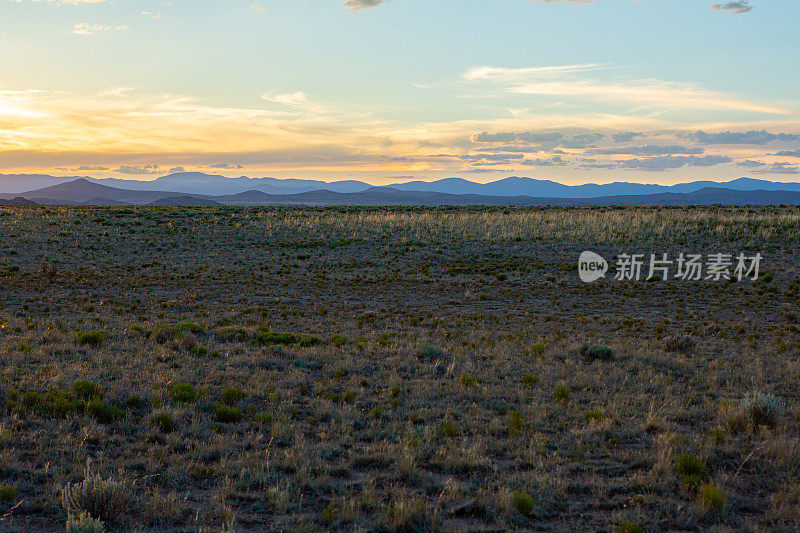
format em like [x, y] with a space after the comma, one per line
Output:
[84, 28]
[358, 5]
[574, 81]
[733, 7]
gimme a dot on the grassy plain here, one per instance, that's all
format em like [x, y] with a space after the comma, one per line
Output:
[394, 369]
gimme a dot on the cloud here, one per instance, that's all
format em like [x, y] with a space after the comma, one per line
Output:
[522, 137]
[176, 169]
[788, 153]
[779, 168]
[358, 5]
[746, 137]
[500, 74]
[626, 136]
[137, 169]
[671, 162]
[84, 28]
[749, 163]
[733, 7]
[551, 162]
[649, 149]
[571, 82]
[225, 166]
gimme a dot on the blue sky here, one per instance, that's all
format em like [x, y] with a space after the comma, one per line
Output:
[574, 91]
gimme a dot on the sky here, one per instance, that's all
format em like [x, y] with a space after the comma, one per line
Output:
[651, 91]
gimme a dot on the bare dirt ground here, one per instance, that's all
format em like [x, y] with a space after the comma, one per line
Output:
[394, 369]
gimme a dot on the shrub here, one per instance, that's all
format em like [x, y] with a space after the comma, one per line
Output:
[764, 409]
[265, 419]
[163, 421]
[376, 412]
[183, 393]
[266, 337]
[628, 527]
[104, 413]
[530, 379]
[87, 390]
[515, 422]
[101, 498]
[538, 348]
[191, 327]
[711, 498]
[451, 430]
[716, 435]
[430, 352]
[596, 352]
[8, 492]
[84, 523]
[91, 338]
[231, 395]
[692, 470]
[338, 340]
[680, 343]
[594, 416]
[523, 502]
[466, 380]
[228, 414]
[562, 393]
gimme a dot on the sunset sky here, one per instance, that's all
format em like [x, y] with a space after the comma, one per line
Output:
[656, 91]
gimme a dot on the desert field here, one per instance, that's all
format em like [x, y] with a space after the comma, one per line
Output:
[394, 369]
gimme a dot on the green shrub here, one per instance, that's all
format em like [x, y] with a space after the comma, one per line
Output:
[183, 393]
[466, 380]
[562, 393]
[265, 419]
[101, 498]
[538, 348]
[451, 430]
[87, 390]
[228, 414]
[8, 492]
[376, 412]
[163, 421]
[91, 338]
[628, 527]
[84, 523]
[523, 502]
[338, 340]
[231, 395]
[594, 416]
[692, 470]
[711, 498]
[530, 379]
[596, 352]
[191, 327]
[515, 422]
[104, 413]
[716, 435]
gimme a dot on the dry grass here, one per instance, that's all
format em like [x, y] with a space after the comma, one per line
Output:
[433, 378]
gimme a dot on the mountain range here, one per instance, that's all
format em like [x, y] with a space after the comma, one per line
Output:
[82, 191]
[198, 183]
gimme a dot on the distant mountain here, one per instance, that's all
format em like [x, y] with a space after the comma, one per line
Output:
[19, 200]
[214, 185]
[84, 192]
[184, 201]
[516, 186]
[201, 184]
